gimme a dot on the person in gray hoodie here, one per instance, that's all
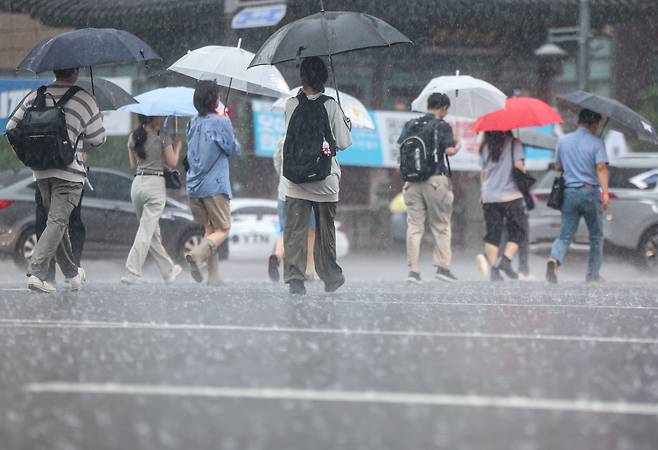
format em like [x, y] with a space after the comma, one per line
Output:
[321, 197]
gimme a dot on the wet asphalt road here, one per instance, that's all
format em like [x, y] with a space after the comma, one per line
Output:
[378, 365]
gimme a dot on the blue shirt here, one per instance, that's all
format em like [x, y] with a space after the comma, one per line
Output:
[578, 153]
[211, 142]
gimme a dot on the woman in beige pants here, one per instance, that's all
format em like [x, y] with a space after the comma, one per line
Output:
[149, 152]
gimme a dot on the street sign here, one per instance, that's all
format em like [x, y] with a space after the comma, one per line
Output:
[260, 16]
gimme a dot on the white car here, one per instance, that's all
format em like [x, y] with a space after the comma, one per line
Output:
[255, 227]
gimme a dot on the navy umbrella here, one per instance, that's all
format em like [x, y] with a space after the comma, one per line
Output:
[613, 111]
[327, 33]
[86, 48]
[109, 96]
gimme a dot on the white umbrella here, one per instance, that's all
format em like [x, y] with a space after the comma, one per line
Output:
[536, 138]
[227, 66]
[352, 107]
[469, 97]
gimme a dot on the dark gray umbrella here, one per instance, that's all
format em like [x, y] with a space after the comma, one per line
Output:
[327, 33]
[86, 48]
[612, 110]
[109, 96]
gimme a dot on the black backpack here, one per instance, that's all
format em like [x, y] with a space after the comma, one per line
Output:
[41, 139]
[304, 159]
[419, 152]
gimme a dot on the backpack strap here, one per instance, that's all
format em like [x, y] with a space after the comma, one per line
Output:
[68, 95]
[40, 99]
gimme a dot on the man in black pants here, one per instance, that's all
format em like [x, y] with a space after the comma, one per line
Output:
[77, 230]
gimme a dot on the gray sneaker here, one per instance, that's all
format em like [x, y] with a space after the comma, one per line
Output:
[131, 279]
[75, 283]
[175, 271]
[37, 285]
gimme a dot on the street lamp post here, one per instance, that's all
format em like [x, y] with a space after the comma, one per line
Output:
[583, 44]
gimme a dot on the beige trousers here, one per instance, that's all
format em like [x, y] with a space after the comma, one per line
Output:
[429, 200]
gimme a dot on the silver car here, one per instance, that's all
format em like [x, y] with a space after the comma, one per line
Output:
[631, 221]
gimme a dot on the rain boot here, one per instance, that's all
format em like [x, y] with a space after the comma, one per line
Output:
[214, 279]
[198, 256]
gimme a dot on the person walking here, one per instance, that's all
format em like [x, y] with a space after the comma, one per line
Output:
[211, 142]
[277, 257]
[432, 198]
[61, 188]
[319, 196]
[150, 151]
[502, 202]
[582, 158]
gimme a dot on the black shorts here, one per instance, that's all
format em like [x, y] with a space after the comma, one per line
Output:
[500, 216]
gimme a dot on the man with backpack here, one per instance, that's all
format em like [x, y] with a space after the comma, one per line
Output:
[315, 129]
[48, 131]
[425, 145]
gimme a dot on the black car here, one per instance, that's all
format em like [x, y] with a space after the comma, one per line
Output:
[107, 212]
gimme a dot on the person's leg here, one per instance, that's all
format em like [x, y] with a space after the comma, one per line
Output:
[493, 220]
[513, 216]
[77, 231]
[149, 206]
[568, 228]
[439, 198]
[310, 254]
[593, 214]
[325, 246]
[296, 241]
[59, 199]
[416, 214]
[39, 226]
[524, 247]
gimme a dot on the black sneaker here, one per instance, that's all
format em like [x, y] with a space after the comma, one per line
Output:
[414, 277]
[273, 268]
[495, 276]
[551, 272]
[444, 275]
[297, 287]
[333, 286]
[505, 265]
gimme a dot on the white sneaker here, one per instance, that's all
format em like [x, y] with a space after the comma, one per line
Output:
[483, 266]
[131, 278]
[528, 277]
[175, 271]
[75, 283]
[38, 285]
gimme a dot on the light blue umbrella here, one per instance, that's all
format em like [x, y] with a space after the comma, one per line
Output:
[169, 101]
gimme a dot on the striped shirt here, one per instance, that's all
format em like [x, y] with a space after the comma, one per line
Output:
[83, 120]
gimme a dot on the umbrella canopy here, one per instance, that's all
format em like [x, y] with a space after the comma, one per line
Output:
[519, 112]
[169, 101]
[535, 138]
[109, 96]
[325, 34]
[85, 48]
[613, 111]
[353, 108]
[469, 97]
[227, 66]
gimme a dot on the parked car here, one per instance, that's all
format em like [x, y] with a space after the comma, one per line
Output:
[111, 223]
[255, 229]
[107, 211]
[631, 221]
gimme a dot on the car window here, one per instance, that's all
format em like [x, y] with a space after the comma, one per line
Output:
[9, 177]
[109, 186]
[546, 183]
[627, 178]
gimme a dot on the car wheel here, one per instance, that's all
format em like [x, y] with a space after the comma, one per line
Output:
[188, 241]
[25, 247]
[649, 249]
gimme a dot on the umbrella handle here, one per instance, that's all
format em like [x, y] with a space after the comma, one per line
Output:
[91, 76]
[605, 124]
[333, 75]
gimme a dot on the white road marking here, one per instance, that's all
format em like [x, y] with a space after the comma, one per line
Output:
[493, 305]
[74, 324]
[385, 397]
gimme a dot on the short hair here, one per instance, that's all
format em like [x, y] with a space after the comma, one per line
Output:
[63, 74]
[313, 73]
[205, 97]
[438, 100]
[588, 117]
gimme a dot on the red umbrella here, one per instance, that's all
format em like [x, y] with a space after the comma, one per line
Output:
[519, 112]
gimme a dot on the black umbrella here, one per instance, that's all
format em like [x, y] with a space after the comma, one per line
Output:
[613, 111]
[109, 96]
[327, 33]
[85, 48]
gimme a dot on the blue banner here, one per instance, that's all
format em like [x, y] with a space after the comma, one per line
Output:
[12, 91]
